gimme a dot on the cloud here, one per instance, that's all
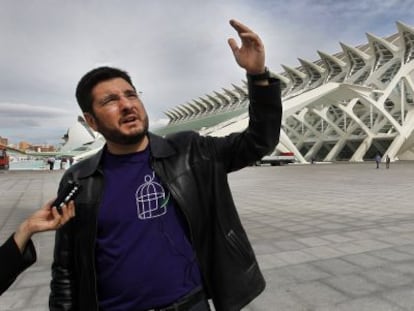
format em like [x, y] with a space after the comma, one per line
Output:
[15, 110]
[37, 124]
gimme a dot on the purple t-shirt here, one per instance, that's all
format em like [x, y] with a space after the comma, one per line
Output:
[143, 256]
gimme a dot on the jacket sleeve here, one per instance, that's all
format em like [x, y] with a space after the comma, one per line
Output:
[61, 287]
[261, 136]
[13, 262]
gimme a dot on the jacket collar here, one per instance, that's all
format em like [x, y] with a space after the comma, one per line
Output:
[159, 148]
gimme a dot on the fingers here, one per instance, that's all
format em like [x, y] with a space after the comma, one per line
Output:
[48, 204]
[71, 209]
[233, 45]
[244, 31]
[247, 36]
[59, 219]
[56, 219]
[248, 39]
[68, 212]
[239, 27]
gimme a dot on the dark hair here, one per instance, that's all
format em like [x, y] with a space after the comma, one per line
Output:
[91, 79]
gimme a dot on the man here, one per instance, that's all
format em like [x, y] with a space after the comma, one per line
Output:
[18, 252]
[156, 225]
[51, 162]
[378, 159]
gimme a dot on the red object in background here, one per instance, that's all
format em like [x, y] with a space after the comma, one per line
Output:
[291, 154]
[4, 159]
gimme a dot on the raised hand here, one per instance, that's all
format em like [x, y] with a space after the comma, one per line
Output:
[251, 54]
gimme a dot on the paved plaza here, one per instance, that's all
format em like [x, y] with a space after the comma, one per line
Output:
[327, 236]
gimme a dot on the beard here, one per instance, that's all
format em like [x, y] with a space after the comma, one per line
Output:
[118, 137]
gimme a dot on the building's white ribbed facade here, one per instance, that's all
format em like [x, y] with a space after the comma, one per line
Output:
[347, 106]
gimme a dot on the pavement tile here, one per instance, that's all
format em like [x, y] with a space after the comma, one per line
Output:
[323, 252]
[353, 285]
[336, 238]
[349, 247]
[404, 267]
[363, 304]
[313, 241]
[391, 255]
[306, 272]
[387, 277]
[316, 294]
[278, 279]
[289, 245]
[336, 266]
[16, 298]
[41, 296]
[397, 239]
[280, 300]
[270, 261]
[406, 249]
[365, 260]
[331, 226]
[264, 247]
[295, 257]
[370, 244]
[403, 297]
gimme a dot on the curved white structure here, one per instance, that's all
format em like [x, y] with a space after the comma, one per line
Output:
[347, 106]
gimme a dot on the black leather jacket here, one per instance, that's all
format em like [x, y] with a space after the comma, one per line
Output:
[194, 168]
[13, 262]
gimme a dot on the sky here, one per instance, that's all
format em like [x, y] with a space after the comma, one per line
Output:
[175, 51]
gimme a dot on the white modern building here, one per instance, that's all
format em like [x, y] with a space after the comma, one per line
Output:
[347, 106]
[81, 141]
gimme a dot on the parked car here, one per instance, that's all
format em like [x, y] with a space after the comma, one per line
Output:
[4, 159]
[276, 160]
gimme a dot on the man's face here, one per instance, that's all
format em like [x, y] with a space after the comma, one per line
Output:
[118, 113]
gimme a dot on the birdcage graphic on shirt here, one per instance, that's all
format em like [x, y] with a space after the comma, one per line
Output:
[151, 199]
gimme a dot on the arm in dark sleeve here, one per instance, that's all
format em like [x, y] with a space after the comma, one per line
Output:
[261, 136]
[13, 262]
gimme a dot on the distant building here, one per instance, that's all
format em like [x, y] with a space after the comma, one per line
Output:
[41, 148]
[24, 145]
[81, 140]
[4, 141]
